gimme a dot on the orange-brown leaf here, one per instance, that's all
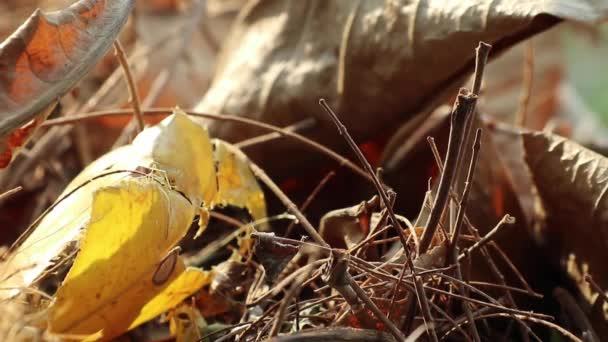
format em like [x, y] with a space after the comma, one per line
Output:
[44, 59]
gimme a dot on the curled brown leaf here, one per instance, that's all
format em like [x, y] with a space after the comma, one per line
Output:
[46, 57]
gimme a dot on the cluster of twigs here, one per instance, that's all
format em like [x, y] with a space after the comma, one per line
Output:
[417, 289]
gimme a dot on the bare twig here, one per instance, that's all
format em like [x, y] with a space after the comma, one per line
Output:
[481, 59]
[462, 109]
[507, 219]
[379, 187]
[379, 314]
[135, 102]
[339, 278]
[296, 127]
[465, 196]
[293, 291]
[166, 74]
[220, 117]
[259, 173]
[453, 248]
[10, 192]
[310, 198]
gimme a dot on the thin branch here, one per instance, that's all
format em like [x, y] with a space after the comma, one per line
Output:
[462, 109]
[296, 127]
[453, 248]
[263, 177]
[310, 198]
[292, 292]
[220, 117]
[135, 102]
[481, 59]
[379, 187]
[465, 195]
[10, 192]
[507, 219]
[339, 279]
[379, 314]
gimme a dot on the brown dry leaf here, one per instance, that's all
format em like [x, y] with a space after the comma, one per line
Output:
[572, 182]
[46, 57]
[376, 62]
[347, 226]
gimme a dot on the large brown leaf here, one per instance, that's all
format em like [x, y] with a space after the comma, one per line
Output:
[572, 182]
[376, 62]
[45, 58]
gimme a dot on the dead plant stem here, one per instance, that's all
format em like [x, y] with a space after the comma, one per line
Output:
[462, 109]
[10, 192]
[507, 219]
[264, 178]
[220, 117]
[135, 102]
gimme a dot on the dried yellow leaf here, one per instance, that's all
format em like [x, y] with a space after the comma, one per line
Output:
[132, 226]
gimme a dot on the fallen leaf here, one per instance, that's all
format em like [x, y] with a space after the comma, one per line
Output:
[376, 63]
[187, 283]
[113, 277]
[572, 182]
[167, 151]
[127, 211]
[237, 185]
[45, 58]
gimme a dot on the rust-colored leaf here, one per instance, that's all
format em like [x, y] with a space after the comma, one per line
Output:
[45, 58]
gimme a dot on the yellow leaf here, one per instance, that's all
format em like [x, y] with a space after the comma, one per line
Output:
[177, 150]
[182, 149]
[132, 225]
[57, 229]
[127, 211]
[236, 183]
[187, 283]
[238, 187]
